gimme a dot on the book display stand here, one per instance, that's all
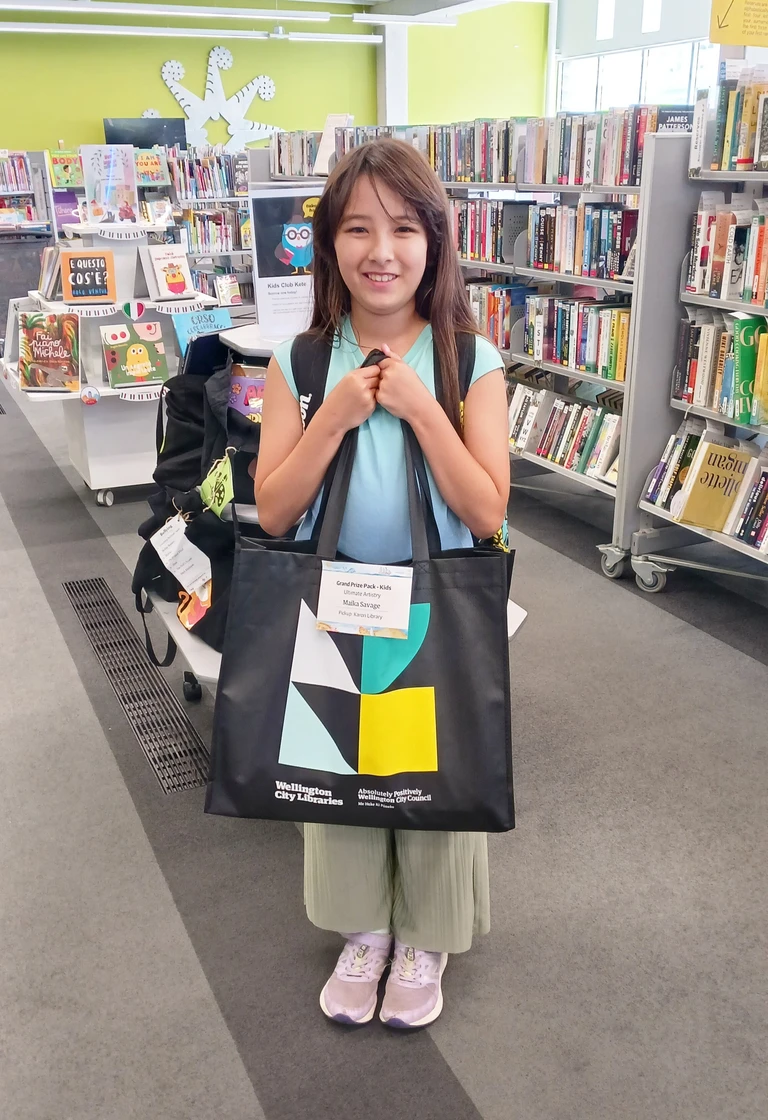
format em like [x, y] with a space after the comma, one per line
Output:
[110, 431]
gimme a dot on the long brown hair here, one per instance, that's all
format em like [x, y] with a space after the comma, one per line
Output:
[441, 297]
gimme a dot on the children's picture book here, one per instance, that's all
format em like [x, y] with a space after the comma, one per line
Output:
[247, 391]
[167, 272]
[134, 353]
[88, 276]
[110, 183]
[227, 289]
[66, 208]
[191, 324]
[66, 169]
[49, 352]
[151, 168]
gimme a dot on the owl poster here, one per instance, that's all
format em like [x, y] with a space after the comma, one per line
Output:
[283, 251]
[134, 353]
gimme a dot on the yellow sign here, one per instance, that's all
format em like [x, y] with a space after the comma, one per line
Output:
[739, 23]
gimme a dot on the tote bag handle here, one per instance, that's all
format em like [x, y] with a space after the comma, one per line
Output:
[424, 532]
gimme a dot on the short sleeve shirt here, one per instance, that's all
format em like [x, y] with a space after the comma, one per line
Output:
[375, 528]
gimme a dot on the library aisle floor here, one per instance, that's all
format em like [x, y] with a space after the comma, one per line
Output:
[156, 963]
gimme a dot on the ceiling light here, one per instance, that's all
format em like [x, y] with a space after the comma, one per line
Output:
[98, 7]
[328, 37]
[140, 32]
[430, 19]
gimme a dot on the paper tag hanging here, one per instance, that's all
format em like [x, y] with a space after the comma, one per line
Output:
[183, 559]
[373, 600]
[217, 488]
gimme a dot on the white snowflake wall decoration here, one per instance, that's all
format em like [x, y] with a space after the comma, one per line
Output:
[215, 104]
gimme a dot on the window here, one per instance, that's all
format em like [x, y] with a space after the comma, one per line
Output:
[667, 75]
[620, 77]
[663, 75]
[651, 16]
[606, 16]
[578, 85]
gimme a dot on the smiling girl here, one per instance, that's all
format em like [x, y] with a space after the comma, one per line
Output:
[386, 277]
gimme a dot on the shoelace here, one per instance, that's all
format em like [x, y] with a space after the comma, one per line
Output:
[358, 965]
[409, 969]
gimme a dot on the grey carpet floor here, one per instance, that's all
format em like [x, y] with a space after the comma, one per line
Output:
[156, 963]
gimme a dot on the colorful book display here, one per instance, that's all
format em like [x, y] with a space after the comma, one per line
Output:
[87, 276]
[66, 169]
[134, 353]
[110, 183]
[166, 270]
[191, 324]
[49, 352]
[151, 168]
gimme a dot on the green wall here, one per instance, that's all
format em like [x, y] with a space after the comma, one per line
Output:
[61, 87]
[492, 65]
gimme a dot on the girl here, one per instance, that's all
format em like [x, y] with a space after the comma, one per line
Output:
[386, 277]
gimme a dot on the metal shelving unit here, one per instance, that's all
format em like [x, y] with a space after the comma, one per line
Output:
[598, 484]
[710, 414]
[488, 266]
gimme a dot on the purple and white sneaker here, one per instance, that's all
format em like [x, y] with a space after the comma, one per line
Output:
[351, 994]
[414, 996]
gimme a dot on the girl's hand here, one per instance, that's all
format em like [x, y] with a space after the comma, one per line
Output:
[401, 391]
[353, 400]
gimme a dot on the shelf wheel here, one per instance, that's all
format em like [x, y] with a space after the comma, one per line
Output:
[193, 691]
[655, 582]
[105, 498]
[615, 570]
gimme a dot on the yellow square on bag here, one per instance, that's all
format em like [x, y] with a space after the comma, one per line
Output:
[398, 732]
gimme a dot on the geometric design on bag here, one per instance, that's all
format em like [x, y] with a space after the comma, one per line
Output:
[384, 659]
[316, 660]
[305, 742]
[385, 733]
[398, 732]
[339, 713]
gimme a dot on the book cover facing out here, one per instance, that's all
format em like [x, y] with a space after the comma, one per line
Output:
[746, 340]
[134, 353]
[247, 392]
[191, 324]
[110, 183]
[171, 270]
[88, 276]
[714, 488]
[49, 352]
[66, 170]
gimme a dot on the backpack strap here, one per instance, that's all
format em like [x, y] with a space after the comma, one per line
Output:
[466, 345]
[311, 360]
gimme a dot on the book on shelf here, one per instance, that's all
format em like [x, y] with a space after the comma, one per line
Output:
[480, 151]
[191, 324]
[204, 281]
[166, 271]
[587, 239]
[110, 183]
[66, 209]
[49, 352]
[156, 209]
[496, 307]
[65, 169]
[709, 484]
[293, 154]
[227, 289]
[19, 215]
[484, 229]
[87, 276]
[246, 236]
[50, 271]
[582, 437]
[730, 131]
[15, 172]
[209, 176]
[720, 364]
[215, 230]
[597, 149]
[590, 336]
[134, 353]
[247, 391]
[729, 249]
[151, 167]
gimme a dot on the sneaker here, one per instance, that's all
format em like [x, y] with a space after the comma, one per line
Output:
[351, 994]
[414, 996]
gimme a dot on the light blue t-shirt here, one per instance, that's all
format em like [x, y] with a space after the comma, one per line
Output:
[375, 528]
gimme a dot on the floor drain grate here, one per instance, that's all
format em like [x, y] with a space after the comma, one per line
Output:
[171, 744]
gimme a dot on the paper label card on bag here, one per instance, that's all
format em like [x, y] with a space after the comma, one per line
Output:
[183, 559]
[217, 489]
[372, 600]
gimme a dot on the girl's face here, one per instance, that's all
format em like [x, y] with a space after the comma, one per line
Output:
[380, 248]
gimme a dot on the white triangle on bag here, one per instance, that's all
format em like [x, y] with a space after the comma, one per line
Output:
[316, 660]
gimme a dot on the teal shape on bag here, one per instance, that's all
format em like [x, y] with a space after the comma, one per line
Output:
[384, 659]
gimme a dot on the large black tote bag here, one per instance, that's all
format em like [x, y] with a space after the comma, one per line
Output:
[379, 732]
